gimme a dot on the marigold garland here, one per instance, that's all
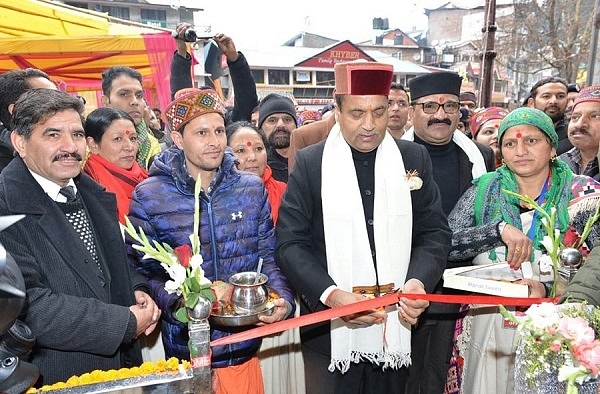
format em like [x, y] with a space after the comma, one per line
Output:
[97, 376]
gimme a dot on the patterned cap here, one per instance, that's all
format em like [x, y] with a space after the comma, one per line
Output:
[308, 115]
[190, 103]
[529, 116]
[480, 117]
[591, 93]
[363, 78]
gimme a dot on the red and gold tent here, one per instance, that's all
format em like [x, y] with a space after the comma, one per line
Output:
[74, 46]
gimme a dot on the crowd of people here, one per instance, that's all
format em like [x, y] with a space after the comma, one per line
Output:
[381, 190]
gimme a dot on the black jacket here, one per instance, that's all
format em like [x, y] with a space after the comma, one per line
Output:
[300, 234]
[245, 98]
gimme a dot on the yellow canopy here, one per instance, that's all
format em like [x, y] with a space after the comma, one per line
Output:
[75, 46]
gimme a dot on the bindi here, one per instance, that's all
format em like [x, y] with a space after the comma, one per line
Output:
[249, 144]
[441, 100]
[519, 135]
[127, 131]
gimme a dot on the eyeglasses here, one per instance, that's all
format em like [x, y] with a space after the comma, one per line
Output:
[431, 107]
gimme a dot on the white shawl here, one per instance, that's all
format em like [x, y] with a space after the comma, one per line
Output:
[466, 145]
[349, 260]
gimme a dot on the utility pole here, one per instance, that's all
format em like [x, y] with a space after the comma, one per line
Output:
[488, 55]
[593, 71]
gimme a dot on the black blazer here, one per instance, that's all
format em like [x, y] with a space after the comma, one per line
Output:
[79, 324]
[300, 248]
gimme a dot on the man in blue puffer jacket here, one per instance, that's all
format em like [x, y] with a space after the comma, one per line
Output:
[236, 228]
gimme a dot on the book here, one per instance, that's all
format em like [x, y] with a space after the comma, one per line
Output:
[495, 279]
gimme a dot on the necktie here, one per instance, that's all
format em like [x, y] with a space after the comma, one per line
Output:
[68, 192]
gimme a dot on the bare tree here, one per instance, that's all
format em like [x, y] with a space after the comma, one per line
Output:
[547, 34]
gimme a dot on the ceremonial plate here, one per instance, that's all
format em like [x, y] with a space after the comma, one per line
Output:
[227, 317]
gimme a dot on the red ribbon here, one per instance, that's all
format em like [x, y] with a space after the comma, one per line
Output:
[372, 303]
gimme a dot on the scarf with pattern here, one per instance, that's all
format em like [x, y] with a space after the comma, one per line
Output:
[493, 205]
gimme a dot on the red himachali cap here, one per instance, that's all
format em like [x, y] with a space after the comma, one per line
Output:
[363, 78]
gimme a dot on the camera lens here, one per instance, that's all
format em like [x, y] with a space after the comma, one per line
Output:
[190, 35]
[17, 341]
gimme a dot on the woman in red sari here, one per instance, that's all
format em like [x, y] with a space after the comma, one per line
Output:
[249, 145]
[112, 142]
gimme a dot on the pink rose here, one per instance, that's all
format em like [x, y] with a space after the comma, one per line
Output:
[588, 355]
[576, 329]
[555, 346]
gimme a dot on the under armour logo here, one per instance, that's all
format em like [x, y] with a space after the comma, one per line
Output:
[235, 216]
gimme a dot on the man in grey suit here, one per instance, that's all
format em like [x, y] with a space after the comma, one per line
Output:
[361, 215]
[84, 304]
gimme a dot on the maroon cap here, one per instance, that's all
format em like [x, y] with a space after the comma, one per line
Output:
[363, 78]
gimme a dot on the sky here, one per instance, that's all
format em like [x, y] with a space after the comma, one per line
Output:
[270, 23]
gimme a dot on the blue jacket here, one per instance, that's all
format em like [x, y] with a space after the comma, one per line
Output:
[236, 229]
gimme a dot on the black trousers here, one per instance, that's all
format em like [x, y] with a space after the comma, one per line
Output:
[361, 378]
[431, 350]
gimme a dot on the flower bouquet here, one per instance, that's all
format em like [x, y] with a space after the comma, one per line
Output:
[183, 264]
[554, 241]
[558, 350]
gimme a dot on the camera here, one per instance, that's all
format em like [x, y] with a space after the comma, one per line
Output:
[190, 35]
[16, 339]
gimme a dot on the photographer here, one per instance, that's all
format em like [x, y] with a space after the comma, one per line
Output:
[245, 99]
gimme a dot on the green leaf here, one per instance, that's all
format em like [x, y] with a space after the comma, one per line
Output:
[194, 285]
[191, 300]
[181, 315]
[208, 294]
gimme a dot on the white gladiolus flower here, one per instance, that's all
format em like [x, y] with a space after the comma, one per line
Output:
[548, 243]
[545, 221]
[172, 287]
[177, 273]
[196, 262]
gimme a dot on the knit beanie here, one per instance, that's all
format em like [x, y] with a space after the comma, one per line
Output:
[274, 103]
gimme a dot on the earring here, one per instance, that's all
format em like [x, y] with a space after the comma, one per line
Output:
[503, 162]
[553, 159]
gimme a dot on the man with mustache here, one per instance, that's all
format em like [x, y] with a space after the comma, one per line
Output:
[550, 95]
[584, 133]
[277, 118]
[86, 307]
[361, 215]
[456, 160]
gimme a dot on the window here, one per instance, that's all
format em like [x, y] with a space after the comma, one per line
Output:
[500, 86]
[279, 77]
[154, 15]
[325, 78]
[313, 93]
[77, 4]
[117, 12]
[302, 77]
[258, 76]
